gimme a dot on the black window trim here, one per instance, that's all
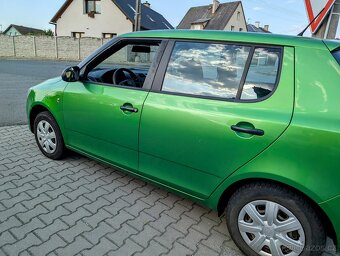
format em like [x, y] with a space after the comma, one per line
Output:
[116, 46]
[163, 66]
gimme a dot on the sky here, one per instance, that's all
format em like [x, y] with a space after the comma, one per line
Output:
[282, 16]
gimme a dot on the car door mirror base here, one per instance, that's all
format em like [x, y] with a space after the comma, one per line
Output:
[71, 74]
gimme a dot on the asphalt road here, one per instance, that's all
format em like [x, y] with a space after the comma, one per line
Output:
[16, 77]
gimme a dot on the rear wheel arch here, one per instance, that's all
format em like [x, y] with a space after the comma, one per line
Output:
[226, 195]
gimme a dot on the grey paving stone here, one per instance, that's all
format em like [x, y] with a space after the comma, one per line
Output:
[192, 239]
[145, 236]
[6, 214]
[44, 248]
[85, 215]
[179, 250]
[129, 248]
[161, 223]
[6, 238]
[28, 215]
[21, 245]
[23, 230]
[184, 224]
[47, 232]
[78, 245]
[137, 207]
[71, 233]
[80, 207]
[205, 251]
[140, 221]
[156, 210]
[153, 249]
[119, 236]
[169, 237]
[215, 240]
[119, 219]
[58, 212]
[96, 233]
[104, 246]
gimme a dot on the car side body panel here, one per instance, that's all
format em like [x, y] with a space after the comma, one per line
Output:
[49, 95]
[297, 158]
[188, 142]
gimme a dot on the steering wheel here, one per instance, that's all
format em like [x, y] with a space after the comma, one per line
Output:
[119, 77]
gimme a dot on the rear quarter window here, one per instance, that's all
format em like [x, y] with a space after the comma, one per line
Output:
[336, 55]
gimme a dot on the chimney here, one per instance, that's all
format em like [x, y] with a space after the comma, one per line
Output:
[257, 24]
[147, 4]
[215, 6]
[266, 27]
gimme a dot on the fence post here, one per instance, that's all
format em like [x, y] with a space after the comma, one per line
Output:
[79, 56]
[56, 47]
[14, 51]
[34, 47]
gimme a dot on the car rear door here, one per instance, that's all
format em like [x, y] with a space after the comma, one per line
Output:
[213, 107]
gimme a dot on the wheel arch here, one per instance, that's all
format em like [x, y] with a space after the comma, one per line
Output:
[36, 109]
[226, 195]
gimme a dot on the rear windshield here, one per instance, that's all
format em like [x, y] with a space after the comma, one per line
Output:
[336, 55]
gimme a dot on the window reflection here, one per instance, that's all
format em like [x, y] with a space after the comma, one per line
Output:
[262, 74]
[203, 69]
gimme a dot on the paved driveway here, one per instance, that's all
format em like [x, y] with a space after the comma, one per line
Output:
[80, 207]
[16, 76]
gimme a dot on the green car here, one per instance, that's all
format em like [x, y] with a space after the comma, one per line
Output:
[247, 124]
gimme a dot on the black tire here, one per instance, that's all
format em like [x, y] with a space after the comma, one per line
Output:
[315, 237]
[59, 151]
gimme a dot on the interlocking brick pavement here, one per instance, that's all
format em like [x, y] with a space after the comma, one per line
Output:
[78, 206]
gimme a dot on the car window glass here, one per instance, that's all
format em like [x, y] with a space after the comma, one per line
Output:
[262, 74]
[212, 70]
[133, 62]
[131, 55]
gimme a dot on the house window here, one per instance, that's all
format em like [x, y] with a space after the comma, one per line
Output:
[238, 15]
[77, 34]
[109, 35]
[232, 28]
[93, 6]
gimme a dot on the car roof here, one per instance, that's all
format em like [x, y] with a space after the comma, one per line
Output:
[243, 37]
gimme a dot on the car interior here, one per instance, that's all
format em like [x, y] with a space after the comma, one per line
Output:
[126, 66]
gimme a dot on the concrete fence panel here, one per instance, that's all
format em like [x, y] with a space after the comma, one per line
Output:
[24, 46]
[88, 45]
[6, 46]
[45, 47]
[68, 48]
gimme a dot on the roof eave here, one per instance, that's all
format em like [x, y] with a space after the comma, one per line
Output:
[60, 11]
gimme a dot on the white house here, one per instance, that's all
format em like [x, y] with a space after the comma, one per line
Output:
[104, 18]
[216, 16]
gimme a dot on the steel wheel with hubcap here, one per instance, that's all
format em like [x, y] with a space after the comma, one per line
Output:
[271, 229]
[269, 219]
[48, 136]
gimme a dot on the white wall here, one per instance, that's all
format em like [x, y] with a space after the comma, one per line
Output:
[111, 20]
[237, 23]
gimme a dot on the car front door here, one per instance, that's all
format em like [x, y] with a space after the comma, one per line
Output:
[102, 111]
[214, 107]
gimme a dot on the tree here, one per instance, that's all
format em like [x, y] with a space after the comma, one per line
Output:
[49, 32]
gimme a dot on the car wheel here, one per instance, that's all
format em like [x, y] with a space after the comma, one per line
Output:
[48, 136]
[267, 219]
